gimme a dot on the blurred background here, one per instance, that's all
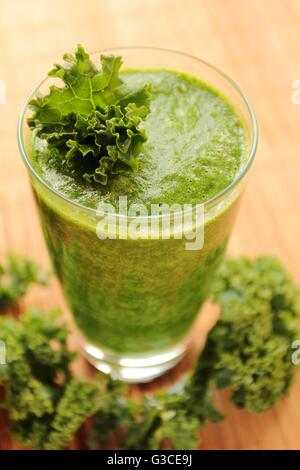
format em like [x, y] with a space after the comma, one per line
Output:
[257, 43]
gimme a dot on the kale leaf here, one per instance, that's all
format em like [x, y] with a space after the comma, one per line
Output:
[46, 404]
[15, 277]
[92, 123]
[251, 343]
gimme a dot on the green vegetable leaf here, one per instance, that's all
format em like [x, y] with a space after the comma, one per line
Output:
[176, 431]
[252, 340]
[116, 411]
[46, 404]
[158, 421]
[92, 123]
[80, 400]
[15, 278]
[164, 421]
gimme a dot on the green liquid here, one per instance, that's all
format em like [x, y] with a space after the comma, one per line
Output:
[141, 296]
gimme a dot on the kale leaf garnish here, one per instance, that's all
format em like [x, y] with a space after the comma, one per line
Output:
[92, 123]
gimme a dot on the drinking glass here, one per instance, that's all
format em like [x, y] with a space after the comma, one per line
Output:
[135, 300]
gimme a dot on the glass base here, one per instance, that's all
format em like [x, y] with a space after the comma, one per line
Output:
[132, 369]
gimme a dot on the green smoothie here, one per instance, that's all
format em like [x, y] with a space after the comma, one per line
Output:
[140, 297]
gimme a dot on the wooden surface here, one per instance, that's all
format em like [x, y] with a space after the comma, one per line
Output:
[257, 43]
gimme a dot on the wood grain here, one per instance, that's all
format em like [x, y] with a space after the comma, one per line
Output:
[257, 43]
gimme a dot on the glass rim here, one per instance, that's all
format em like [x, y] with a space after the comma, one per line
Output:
[213, 200]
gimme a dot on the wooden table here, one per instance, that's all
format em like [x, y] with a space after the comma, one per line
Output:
[257, 43]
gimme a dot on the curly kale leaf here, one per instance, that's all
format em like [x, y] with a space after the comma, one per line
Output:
[80, 400]
[115, 411]
[251, 343]
[158, 421]
[46, 405]
[92, 123]
[15, 277]
[168, 419]
[163, 421]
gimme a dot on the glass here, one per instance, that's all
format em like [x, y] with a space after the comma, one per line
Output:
[135, 301]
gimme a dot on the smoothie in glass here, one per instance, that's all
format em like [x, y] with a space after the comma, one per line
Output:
[134, 300]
